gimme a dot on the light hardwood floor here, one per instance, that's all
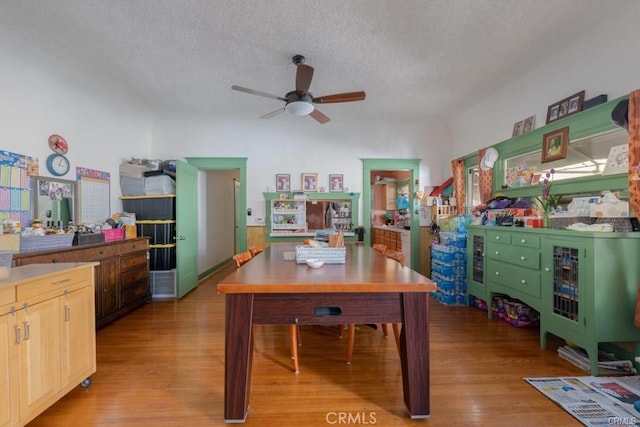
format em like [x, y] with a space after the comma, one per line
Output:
[163, 365]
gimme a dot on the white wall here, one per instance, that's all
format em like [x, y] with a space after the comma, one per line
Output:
[294, 145]
[606, 61]
[41, 95]
[216, 236]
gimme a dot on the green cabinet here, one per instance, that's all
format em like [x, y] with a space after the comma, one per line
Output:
[583, 284]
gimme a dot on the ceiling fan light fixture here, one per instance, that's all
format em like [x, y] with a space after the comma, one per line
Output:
[299, 108]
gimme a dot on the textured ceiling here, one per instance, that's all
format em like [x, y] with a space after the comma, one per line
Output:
[414, 58]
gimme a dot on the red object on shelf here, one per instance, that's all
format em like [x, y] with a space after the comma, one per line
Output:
[439, 190]
[113, 234]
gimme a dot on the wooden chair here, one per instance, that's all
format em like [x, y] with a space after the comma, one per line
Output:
[351, 332]
[242, 258]
[256, 249]
[380, 248]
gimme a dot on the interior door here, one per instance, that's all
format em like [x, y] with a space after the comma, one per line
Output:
[186, 227]
[237, 211]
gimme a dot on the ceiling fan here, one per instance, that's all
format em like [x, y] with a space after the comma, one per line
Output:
[299, 102]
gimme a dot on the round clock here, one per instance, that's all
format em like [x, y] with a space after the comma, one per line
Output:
[58, 144]
[58, 165]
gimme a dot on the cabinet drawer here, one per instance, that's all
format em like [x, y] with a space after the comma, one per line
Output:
[56, 282]
[95, 254]
[499, 236]
[132, 277]
[526, 240]
[520, 256]
[134, 246]
[7, 295]
[514, 277]
[138, 260]
[134, 293]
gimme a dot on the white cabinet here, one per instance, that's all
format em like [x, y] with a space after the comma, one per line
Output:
[288, 216]
[47, 337]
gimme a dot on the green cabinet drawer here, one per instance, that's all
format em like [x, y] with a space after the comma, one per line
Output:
[520, 256]
[514, 277]
[499, 236]
[526, 240]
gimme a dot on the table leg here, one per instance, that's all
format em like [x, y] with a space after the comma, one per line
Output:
[414, 353]
[238, 354]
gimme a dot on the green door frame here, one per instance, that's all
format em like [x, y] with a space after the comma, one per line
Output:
[229, 163]
[412, 165]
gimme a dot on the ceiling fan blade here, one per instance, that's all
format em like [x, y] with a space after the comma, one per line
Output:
[273, 113]
[304, 74]
[339, 97]
[256, 92]
[319, 116]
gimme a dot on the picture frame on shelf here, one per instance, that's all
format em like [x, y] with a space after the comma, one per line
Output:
[309, 182]
[283, 182]
[554, 145]
[566, 107]
[529, 124]
[524, 126]
[517, 128]
[336, 183]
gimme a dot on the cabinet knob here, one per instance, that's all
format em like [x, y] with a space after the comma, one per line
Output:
[497, 273]
[497, 237]
[497, 252]
[547, 269]
[523, 241]
[524, 282]
[522, 258]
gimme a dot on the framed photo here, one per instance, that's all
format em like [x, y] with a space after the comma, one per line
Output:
[336, 183]
[529, 124]
[566, 107]
[309, 182]
[517, 128]
[283, 183]
[554, 144]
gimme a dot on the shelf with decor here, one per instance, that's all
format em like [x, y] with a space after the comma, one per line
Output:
[290, 218]
[591, 136]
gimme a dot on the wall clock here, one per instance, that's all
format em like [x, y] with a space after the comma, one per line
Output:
[58, 165]
[58, 144]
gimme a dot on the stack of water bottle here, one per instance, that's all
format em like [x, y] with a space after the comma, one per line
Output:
[449, 268]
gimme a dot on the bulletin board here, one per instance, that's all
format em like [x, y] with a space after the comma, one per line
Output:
[94, 189]
[15, 188]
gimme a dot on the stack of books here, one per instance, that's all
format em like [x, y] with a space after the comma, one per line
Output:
[607, 362]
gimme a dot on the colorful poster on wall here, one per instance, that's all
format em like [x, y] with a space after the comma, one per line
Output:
[15, 188]
[94, 188]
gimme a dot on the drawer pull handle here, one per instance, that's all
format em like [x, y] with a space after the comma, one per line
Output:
[327, 311]
[61, 281]
[67, 313]
[524, 282]
[27, 331]
[18, 334]
[522, 258]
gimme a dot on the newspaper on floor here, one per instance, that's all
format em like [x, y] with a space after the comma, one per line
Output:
[595, 401]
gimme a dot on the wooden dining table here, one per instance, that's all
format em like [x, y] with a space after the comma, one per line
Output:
[367, 288]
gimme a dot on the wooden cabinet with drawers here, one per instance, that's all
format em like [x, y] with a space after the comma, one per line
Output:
[47, 337]
[122, 275]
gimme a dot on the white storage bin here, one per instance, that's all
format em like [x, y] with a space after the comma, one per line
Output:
[161, 184]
